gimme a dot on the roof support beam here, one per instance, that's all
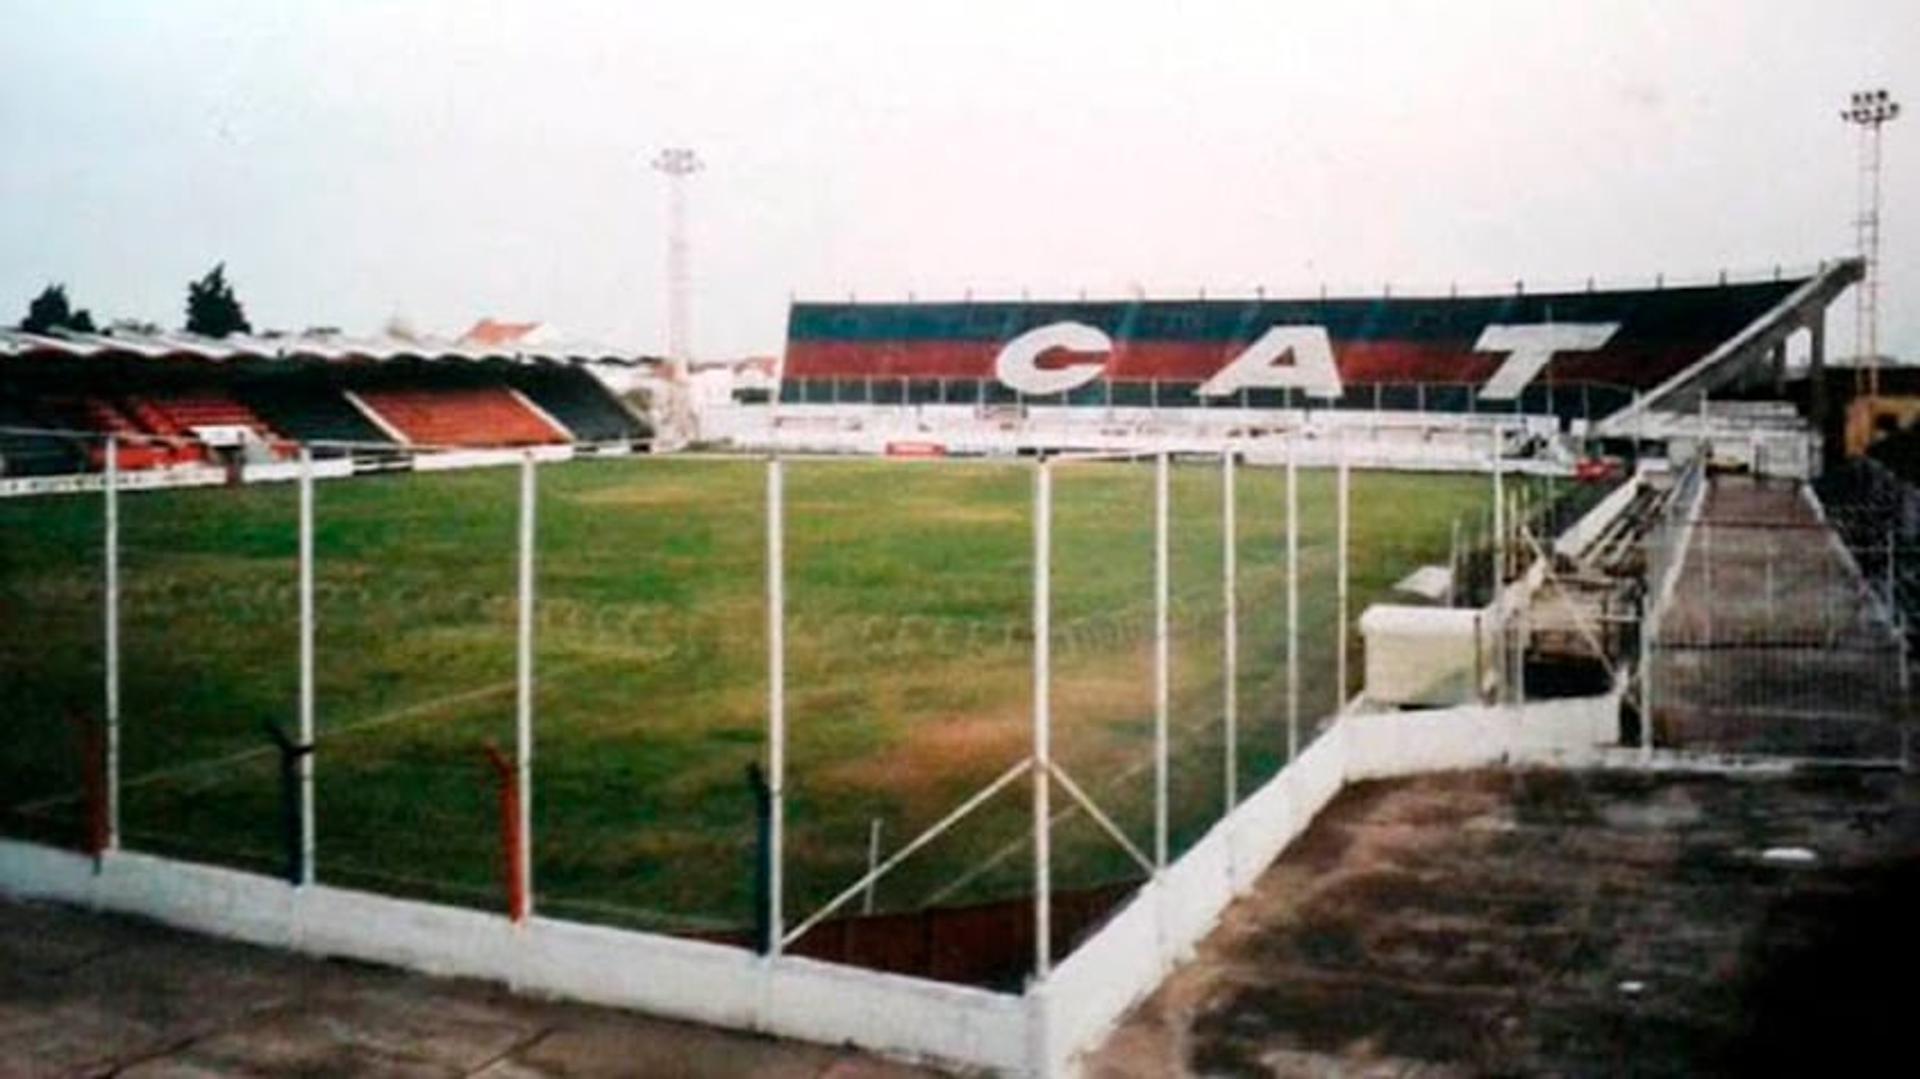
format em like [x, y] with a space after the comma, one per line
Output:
[1743, 354]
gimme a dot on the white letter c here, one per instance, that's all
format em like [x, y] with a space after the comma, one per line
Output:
[1018, 365]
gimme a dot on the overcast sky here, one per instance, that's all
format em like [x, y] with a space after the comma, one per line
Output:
[441, 161]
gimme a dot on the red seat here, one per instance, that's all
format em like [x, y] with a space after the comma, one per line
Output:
[462, 416]
[177, 414]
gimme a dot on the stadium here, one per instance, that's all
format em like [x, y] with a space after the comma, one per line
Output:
[941, 700]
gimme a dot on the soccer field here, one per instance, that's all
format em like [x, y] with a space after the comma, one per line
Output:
[908, 667]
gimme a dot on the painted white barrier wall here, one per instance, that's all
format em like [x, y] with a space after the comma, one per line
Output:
[324, 468]
[684, 979]
[450, 460]
[1159, 926]
[1569, 733]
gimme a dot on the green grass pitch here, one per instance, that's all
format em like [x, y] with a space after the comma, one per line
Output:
[909, 667]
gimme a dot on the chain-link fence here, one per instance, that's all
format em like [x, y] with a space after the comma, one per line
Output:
[1773, 635]
[53, 667]
[698, 694]
[1877, 514]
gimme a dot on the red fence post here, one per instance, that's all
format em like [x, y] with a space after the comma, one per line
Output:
[93, 777]
[509, 784]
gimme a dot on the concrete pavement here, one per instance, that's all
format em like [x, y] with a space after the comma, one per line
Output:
[89, 995]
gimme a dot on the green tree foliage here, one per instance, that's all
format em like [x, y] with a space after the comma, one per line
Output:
[212, 308]
[51, 311]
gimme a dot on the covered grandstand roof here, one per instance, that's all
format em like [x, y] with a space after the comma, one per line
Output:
[327, 347]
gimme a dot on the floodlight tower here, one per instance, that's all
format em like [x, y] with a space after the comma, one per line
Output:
[678, 163]
[1870, 109]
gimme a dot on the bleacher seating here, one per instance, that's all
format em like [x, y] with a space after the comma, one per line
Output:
[580, 403]
[177, 414]
[92, 413]
[310, 411]
[476, 415]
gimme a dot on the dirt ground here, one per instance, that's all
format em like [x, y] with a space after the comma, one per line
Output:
[1533, 922]
[92, 995]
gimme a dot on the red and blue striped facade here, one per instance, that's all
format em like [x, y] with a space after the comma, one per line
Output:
[1391, 353]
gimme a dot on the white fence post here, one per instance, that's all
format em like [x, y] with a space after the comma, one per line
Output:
[523, 711]
[776, 703]
[1293, 599]
[1161, 660]
[1453, 565]
[1042, 719]
[1706, 566]
[873, 862]
[307, 844]
[1230, 629]
[1649, 630]
[111, 619]
[1343, 498]
[1499, 516]
[1519, 655]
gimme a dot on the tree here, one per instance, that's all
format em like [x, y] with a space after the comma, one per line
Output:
[212, 308]
[51, 311]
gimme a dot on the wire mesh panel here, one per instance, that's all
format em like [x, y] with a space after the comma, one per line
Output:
[1319, 590]
[1776, 640]
[1197, 742]
[209, 623]
[52, 662]
[1261, 617]
[908, 677]
[651, 690]
[1104, 659]
[415, 581]
[1877, 514]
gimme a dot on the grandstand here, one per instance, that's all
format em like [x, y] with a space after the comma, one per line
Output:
[1406, 379]
[177, 400]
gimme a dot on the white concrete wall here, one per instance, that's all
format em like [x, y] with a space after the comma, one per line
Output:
[142, 480]
[683, 979]
[325, 468]
[1091, 989]
[1570, 733]
[1159, 927]
[489, 458]
[1412, 441]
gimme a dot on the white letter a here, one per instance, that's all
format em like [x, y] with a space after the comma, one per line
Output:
[1260, 367]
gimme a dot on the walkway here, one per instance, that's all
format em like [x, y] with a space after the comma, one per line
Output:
[88, 995]
[1775, 643]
